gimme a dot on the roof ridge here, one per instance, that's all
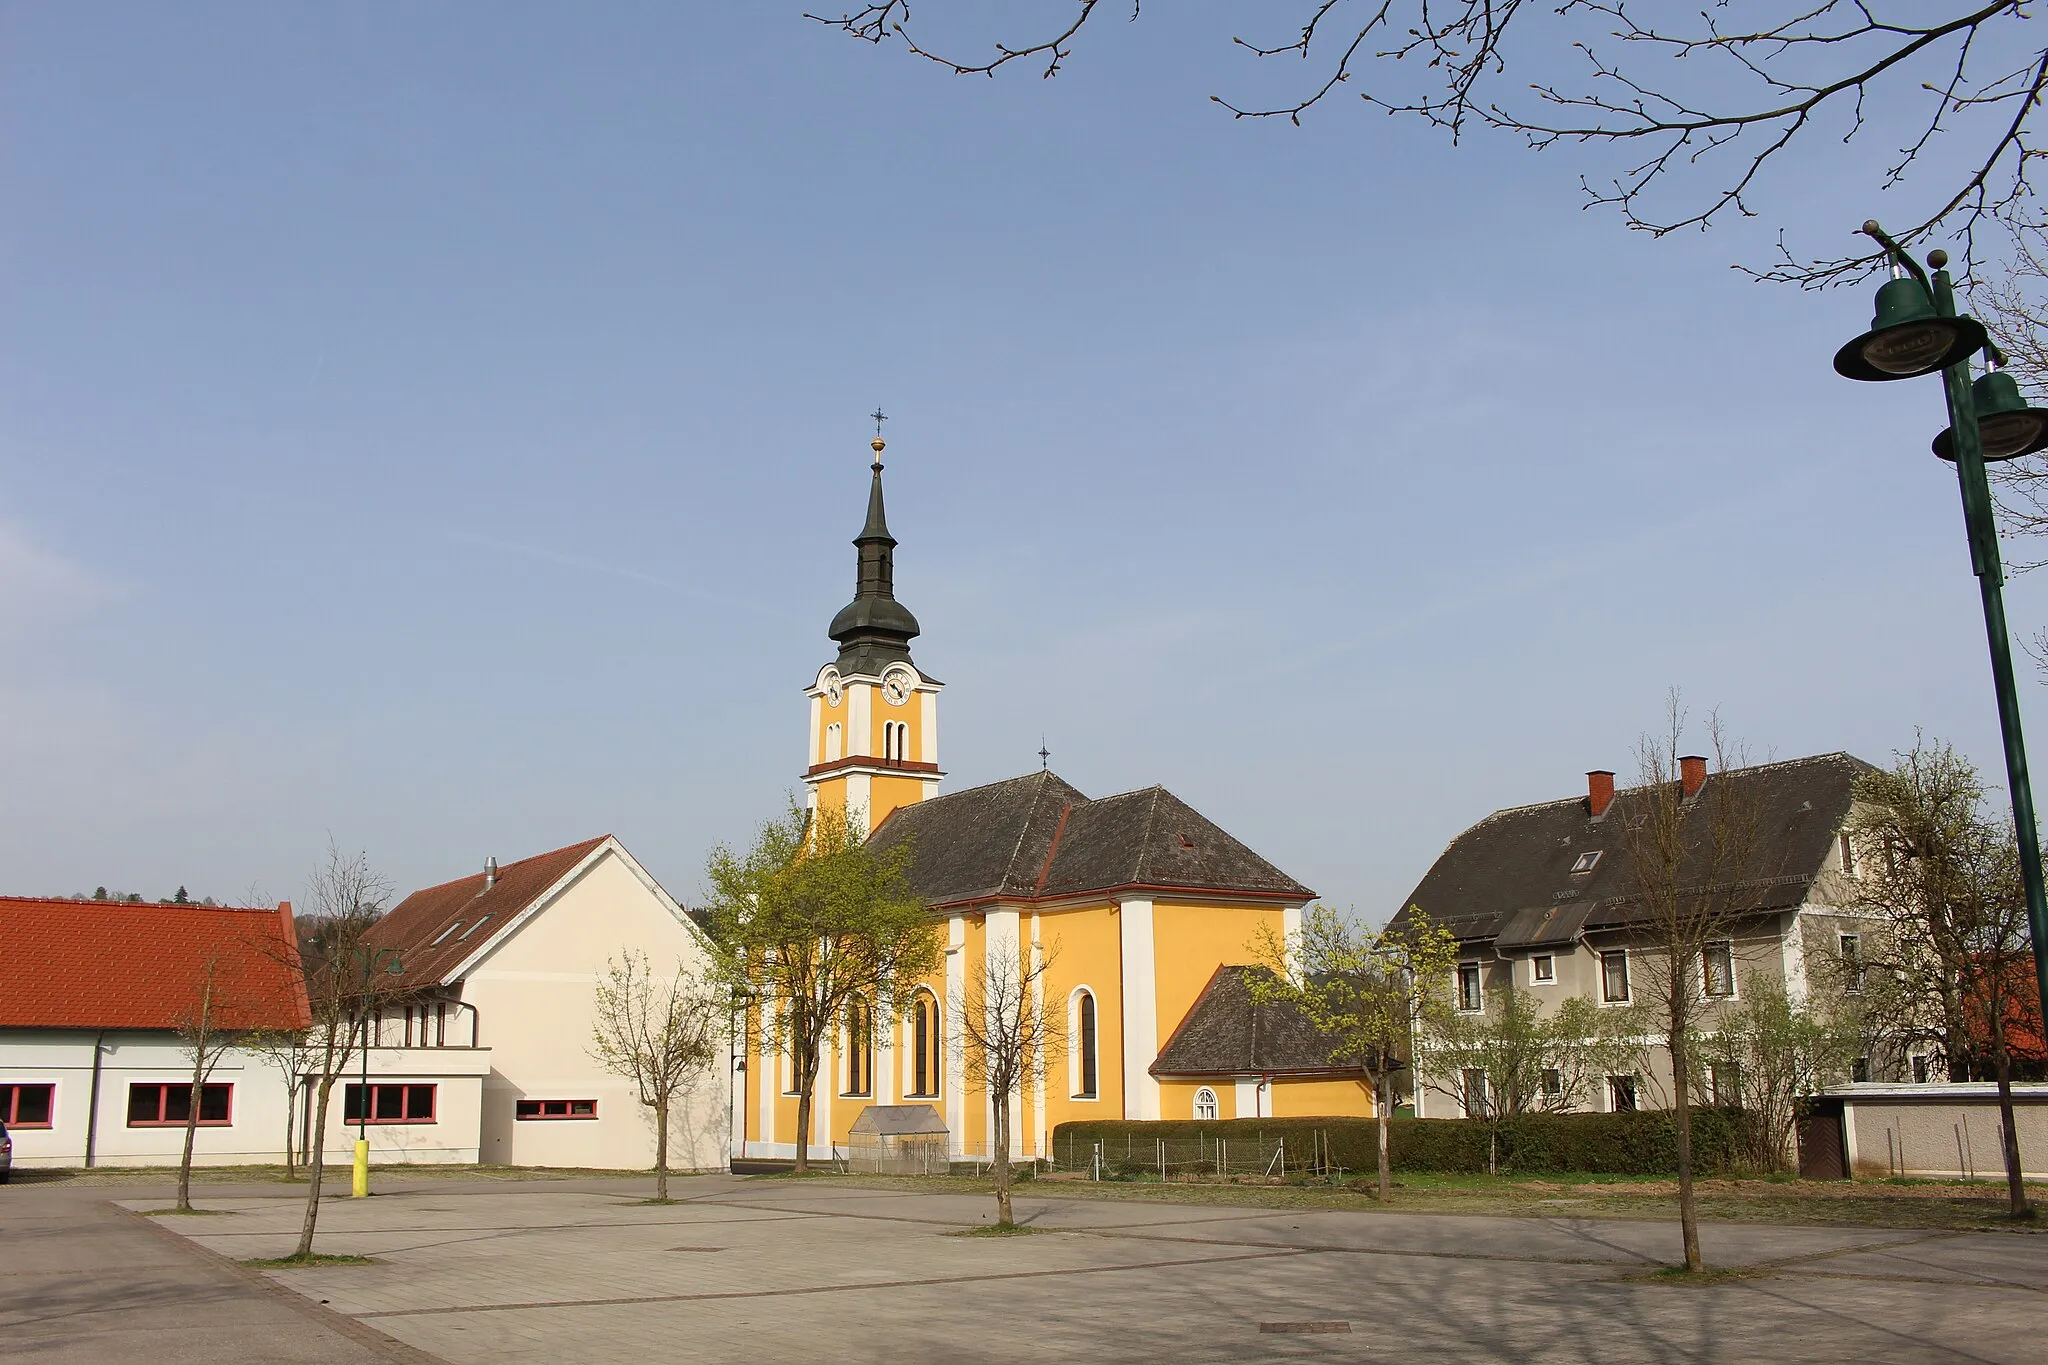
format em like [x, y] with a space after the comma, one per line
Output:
[1024, 826]
[503, 868]
[111, 904]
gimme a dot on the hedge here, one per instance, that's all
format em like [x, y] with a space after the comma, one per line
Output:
[1642, 1143]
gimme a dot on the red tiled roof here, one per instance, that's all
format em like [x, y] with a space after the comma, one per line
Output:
[120, 965]
[435, 929]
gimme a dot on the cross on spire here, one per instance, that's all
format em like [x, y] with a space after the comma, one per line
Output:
[880, 417]
[1044, 755]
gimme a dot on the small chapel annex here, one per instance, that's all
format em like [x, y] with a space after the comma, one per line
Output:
[1147, 909]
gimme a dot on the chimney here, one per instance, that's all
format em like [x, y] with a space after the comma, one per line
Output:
[1692, 774]
[1599, 792]
[490, 873]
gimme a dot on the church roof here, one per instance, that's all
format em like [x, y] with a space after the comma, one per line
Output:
[1037, 836]
[1227, 1033]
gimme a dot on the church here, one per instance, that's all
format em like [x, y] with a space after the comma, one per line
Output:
[1147, 910]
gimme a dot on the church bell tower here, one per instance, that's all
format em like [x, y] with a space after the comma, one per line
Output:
[874, 713]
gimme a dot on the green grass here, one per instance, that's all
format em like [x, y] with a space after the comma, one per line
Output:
[304, 1262]
[1786, 1200]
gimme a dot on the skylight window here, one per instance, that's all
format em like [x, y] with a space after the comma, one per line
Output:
[442, 937]
[476, 926]
[1588, 861]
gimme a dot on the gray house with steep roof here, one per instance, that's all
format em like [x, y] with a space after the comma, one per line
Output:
[1544, 898]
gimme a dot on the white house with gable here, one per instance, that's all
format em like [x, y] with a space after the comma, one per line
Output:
[506, 964]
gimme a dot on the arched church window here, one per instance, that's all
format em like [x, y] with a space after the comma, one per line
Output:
[860, 1053]
[924, 1045]
[1205, 1103]
[1081, 1025]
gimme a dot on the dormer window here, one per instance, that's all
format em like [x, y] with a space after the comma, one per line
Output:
[1587, 861]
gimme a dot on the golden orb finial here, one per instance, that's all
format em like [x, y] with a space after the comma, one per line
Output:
[879, 445]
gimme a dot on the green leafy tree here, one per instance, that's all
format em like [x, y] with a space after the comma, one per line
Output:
[1362, 988]
[660, 1033]
[806, 924]
[1945, 942]
[1517, 1058]
[1766, 1054]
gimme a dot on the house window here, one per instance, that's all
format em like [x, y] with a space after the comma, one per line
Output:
[1084, 1039]
[1621, 1094]
[1543, 968]
[1859, 1070]
[1473, 1093]
[1470, 997]
[924, 1046]
[442, 937]
[1851, 948]
[1614, 976]
[1727, 1079]
[441, 1025]
[1717, 966]
[1553, 1085]
[389, 1104]
[167, 1104]
[1920, 1069]
[1848, 855]
[27, 1106]
[474, 926]
[1587, 861]
[555, 1109]
[895, 741]
[833, 748]
[1205, 1103]
[860, 1055]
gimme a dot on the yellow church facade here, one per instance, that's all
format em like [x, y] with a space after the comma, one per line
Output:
[1144, 911]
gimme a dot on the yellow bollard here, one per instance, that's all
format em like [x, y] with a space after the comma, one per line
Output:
[362, 1184]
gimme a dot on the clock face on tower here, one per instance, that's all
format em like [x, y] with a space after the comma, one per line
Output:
[834, 689]
[897, 684]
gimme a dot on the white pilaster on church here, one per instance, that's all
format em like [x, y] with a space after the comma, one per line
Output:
[928, 723]
[1039, 1145]
[768, 1084]
[860, 721]
[859, 794]
[1141, 1010]
[955, 1051]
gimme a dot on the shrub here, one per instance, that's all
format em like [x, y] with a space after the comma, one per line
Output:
[1643, 1143]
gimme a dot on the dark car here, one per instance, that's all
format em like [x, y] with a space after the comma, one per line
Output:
[6, 1154]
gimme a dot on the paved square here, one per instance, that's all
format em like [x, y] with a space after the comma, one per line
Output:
[782, 1271]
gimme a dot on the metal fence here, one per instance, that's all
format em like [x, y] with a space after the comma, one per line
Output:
[1131, 1156]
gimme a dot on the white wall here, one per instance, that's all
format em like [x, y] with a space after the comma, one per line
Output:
[458, 1077]
[254, 1135]
[535, 997]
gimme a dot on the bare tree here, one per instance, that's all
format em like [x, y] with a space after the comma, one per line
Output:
[345, 897]
[1947, 936]
[1363, 989]
[202, 1039]
[1702, 103]
[1691, 838]
[290, 1052]
[660, 1033]
[1005, 1039]
[808, 922]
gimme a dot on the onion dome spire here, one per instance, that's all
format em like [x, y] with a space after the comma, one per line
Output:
[874, 630]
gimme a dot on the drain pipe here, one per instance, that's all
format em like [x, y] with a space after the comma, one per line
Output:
[92, 1110]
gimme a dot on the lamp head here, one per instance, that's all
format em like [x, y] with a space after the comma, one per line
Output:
[2006, 427]
[1907, 339]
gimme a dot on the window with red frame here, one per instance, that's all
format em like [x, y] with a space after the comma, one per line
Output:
[168, 1104]
[555, 1109]
[27, 1106]
[389, 1104]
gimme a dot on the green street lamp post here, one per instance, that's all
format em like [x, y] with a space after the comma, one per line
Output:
[369, 960]
[1918, 332]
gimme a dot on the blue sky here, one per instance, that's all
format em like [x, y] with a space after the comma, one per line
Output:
[442, 428]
